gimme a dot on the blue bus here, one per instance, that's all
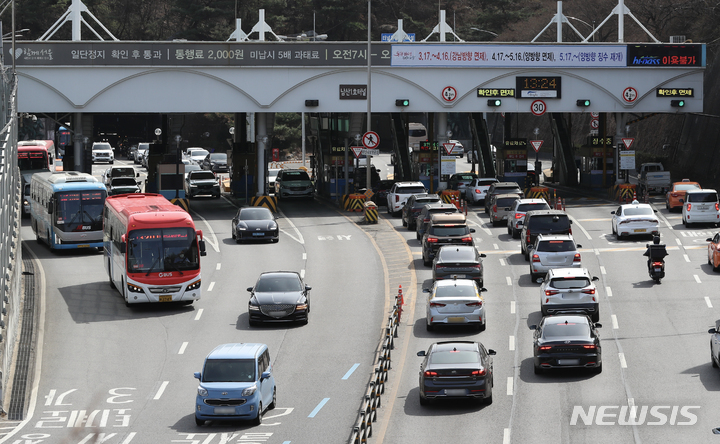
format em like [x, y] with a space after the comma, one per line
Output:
[66, 209]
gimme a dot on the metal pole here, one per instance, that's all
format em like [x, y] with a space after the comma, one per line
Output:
[303, 138]
[368, 183]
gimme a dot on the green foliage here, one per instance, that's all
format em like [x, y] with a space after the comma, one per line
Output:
[287, 134]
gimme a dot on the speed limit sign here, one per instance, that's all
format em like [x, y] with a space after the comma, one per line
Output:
[538, 107]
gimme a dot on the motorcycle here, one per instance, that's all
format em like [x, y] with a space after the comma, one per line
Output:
[656, 270]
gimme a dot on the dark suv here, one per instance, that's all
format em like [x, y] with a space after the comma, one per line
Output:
[423, 219]
[542, 222]
[501, 188]
[445, 229]
[413, 206]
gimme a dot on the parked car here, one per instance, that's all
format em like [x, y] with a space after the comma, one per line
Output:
[215, 162]
[518, 211]
[460, 262]
[542, 222]
[413, 206]
[425, 216]
[701, 206]
[459, 181]
[476, 191]
[258, 223]
[279, 296]
[675, 198]
[500, 207]
[553, 251]
[634, 219]
[455, 302]
[570, 289]
[236, 382]
[199, 183]
[501, 188]
[294, 183]
[103, 152]
[566, 341]
[455, 370]
[400, 192]
[445, 229]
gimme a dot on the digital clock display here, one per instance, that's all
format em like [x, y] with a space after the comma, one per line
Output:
[538, 87]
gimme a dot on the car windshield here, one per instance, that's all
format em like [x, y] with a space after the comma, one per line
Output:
[122, 172]
[410, 190]
[101, 146]
[457, 254]
[458, 230]
[192, 167]
[229, 370]
[485, 182]
[506, 190]
[295, 175]
[202, 175]
[687, 186]
[218, 156]
[570, 282]
[199, 153]
[701, 197]
[273, 172]
[556, 246]
[637, 211]
[465, 177]
[566, 329]
[79, 210]
[274, 283]
[424, 201]
[550, 223]
[417, 133]
[162, 249]
[124, 182]
[255, 214]
[455, 357]
[443, 210]
[533, 206]
[462, 290]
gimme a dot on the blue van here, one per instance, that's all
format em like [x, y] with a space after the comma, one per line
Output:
[236, 382]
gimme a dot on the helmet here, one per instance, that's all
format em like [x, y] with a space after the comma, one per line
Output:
[656, 240]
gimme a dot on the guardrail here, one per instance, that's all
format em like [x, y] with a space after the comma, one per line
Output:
[367, 415]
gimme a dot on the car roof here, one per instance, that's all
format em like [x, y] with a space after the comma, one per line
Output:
[685, 182]
[704, 190]
[570, 318]
[240, 350]
[454, 218]
[555, 237]
[409, 184]
[531, 200]
[457, 247]
[506, 184]
[541, 212]
[636, 204]
[447, 346]
[569, 272]
[278, 272]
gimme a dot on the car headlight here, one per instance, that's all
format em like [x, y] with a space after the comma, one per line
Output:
[202, 391]
[253, 305]
[194, 286]
[301, 306]
[272, 226]
[134, 288]
[192, 185]
[242, 226]
[249, 391]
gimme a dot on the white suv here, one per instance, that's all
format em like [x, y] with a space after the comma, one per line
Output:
[400, 192]
[700, 206]
[102, 152]
[518, 211]
[566, 289]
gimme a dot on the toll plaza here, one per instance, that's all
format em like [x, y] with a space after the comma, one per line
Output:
[591, 157]
[512, 162]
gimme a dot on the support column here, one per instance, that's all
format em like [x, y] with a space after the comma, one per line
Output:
[442, 136]
[262, 140]
[78, 145]
[620, 132]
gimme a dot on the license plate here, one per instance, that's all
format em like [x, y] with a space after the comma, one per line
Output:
[83, 246]
[455, 392]
[456, 319]
[224, 410]
[459, 276]
[568, 362]
[166, 298]
[639, 230]
[258, 234]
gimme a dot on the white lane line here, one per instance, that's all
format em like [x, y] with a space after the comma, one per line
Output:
[298, 239]
[697, 279]
[512, 343]
[687, 259]
[161, 390]
[508, 280]
[182, 348]
[506, 436]
[350, 372]
[304, 256]
[512, 307]
[608, 290]
[707, 301]
[302, 274]
[597, 252]
[623, 363]
[502, 262]
[614, 322]
[213, 239]
[510, 386]
[217, 267]
[581, 228]
[678, 241]
[317, 409]
[496, 246]
[199, 313]
[210, 287]
[129, 438]
[631, 402]
[602, 270]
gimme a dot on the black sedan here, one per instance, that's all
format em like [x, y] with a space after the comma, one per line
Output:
[456, 370]
[254, 223]
[279, 296]
[413, 206]
[460, 261]
[567, 341]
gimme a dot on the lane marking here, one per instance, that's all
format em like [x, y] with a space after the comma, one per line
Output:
[302, 274]
[210, 287]
[687, 259]
[182, 348]
[678, 241]
[304, 256]
[199, 313]
[707, 301]
[581, 228]
[512, 307]
[697, 279]
[602, 270]
[350, 372]
[506, 436]
[623, 363]
[129, 438]
[509, 281]
[497, 247]
[614, 322]
[217, 267]
[213, 241]
[161, 390]
[510, 386]
[631, 402]
[608, 290]
[512, 343]
[595, 220]
[502, 262]
[298, 239]
[317, 409]
[597, 252]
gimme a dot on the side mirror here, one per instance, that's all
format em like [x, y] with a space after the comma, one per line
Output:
[137, 174]
[612, 212]
[483, 255]
[197, 375]
[264, 375]
[598, 325]
[250, 289]
[421, 353]
[201, 243]
[123, 244]
[472, 230]
[308, 288]
[578, 246]
[595, 278]
[539, 280]
[426, 290]
[533, 327]
[483, 289]
[708, 240]
[712, 331]
[521, 223]
[655, 211]
[682, 200]
[492, 352]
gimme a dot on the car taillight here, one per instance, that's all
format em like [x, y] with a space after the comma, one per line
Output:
[437, 267]
[474, 304]
[570, 231]
[426, 220]
[689, 206]
[589, 347]
[657, 264]
[519, 215]
[478, 191]
[577, 257]
[545, 347]
[436, 304]
[550, 293]
[429, 374]
[535, 258]
[397, 198]
[478, 266]
[432, 240]
[589, 291]
[494, 209]
[478, 372]
[467, 239]
[717, 206]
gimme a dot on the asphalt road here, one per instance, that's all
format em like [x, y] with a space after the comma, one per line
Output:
[120, 375]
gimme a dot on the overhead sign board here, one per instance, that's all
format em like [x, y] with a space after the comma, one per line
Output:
[674, 92]
[538, 86]
[496, 92]
[353, 92]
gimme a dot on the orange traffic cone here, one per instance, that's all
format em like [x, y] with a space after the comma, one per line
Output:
[400, 296]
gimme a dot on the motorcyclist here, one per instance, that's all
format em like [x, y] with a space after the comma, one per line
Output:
[655, 251]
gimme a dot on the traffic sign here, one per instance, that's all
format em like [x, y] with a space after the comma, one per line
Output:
[536, 144]
[628, 141]
[357, 151]
[449, 147]
[449, 94]
[369, 152]
[371, 140]
[595, 124]
[595, 114]
[538, 107]
[629, 94]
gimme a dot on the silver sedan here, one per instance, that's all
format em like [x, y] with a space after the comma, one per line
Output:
[455, 302]
[553, 251]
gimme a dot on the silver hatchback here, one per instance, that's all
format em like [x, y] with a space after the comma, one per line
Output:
[553, 251]
[570, 289]
[455, 302]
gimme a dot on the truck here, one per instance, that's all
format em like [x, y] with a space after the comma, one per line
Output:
[652, 177]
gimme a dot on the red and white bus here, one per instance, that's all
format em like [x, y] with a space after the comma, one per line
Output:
[34, 156]
[152, 249]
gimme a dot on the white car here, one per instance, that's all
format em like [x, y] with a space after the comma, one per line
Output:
[634, 219]
[272, 175]
[103, 152]
[455, 302]
[570, 289]
[517, 214]
[198, 156]
[700, 206]
[476, 191]
[400, 192]
[553, 251]
[142, 148]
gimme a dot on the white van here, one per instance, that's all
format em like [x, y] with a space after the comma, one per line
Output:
[417, 133]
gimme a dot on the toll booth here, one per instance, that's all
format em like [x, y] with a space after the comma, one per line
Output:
[591, 162]
[170, 180]
[424, 165]
[334, 173]
[512, 162]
